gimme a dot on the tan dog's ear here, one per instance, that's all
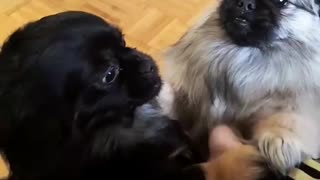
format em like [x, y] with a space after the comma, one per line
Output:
[241, 163]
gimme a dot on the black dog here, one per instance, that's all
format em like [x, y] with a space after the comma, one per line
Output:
[74, 105]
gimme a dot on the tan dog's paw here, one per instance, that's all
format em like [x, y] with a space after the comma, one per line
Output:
[278, 141]
[281, 150]
[242, 163]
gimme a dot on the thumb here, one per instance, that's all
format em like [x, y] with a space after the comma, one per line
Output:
[222, 139]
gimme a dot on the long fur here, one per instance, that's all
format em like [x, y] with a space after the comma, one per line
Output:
[216, 80]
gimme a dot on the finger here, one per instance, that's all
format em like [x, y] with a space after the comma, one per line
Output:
[241, 163]
[222, 139]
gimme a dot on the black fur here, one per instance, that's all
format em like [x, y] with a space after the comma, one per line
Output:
[260, 20]
[70, 95]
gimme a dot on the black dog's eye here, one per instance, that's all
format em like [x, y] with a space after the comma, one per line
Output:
[281, 3]
[110, 75]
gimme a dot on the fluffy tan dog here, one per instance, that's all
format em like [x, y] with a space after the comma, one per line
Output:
[253, 64]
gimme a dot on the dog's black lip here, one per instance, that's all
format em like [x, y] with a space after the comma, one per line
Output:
[241, 21]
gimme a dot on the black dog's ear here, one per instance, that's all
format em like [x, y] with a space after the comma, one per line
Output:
[4, 132]
[5, 122]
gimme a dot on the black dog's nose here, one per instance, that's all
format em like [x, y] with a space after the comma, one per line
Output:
[147, 67]
[246, 5]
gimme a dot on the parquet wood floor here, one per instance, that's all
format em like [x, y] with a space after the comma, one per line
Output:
[150, 25]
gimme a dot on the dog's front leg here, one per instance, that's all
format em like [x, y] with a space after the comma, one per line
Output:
[286, 139]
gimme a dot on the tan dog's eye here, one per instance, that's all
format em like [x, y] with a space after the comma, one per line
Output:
[110, 75]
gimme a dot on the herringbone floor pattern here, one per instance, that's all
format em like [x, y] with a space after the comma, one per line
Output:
[150, 25]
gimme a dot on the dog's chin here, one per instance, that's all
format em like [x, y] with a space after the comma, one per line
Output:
[153, 92]
[239, 31]
[246, 31]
